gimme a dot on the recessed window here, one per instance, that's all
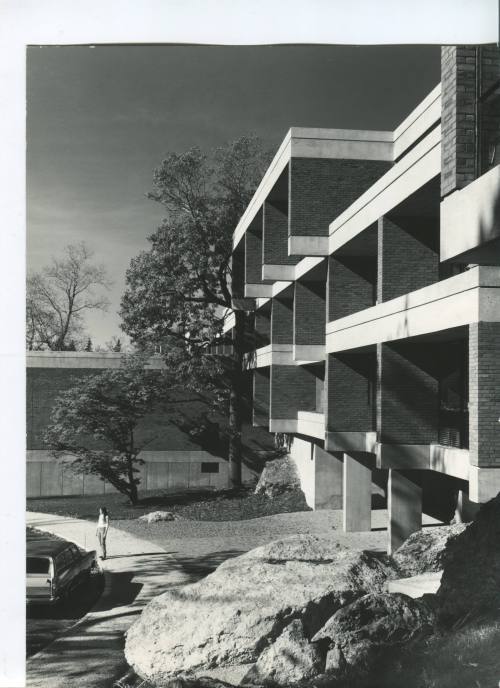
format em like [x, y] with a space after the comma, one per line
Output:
[210, 467]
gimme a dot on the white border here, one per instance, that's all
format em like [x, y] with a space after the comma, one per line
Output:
[235, 22]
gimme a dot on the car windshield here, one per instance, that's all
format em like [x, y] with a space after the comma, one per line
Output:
[37, 565]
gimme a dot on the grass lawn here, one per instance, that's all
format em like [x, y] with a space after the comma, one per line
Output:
[196, 505]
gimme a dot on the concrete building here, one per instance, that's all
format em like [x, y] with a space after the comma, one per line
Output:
[173, 459]
[369, 265]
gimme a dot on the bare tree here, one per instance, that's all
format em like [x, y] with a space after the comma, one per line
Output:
[58, 296]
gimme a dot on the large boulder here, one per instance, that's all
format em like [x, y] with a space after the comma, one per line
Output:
[231, 616]
[290, 659]
[470, 584]
[277, 477]
[424, 551]
[359, 632]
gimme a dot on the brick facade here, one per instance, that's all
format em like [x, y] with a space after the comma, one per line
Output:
[282, 321]
[293, 389]
[351, 284]
[275, 234]
[320, 189]
[309, 313]
[261, 396]
[484, 393]
[407, 393]
[350, 392]
[406, 262]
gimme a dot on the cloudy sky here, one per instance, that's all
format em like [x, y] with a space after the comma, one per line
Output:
[100, 119]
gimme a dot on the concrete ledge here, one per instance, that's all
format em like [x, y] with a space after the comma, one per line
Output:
[311, 424]
[283, 425]
[484, 483]
[416, 586]
[425, 115]
[450, 460]
[470, 218]
[469, 297]
[351, 442]
[278, 272]
[82, 359]
[307, 245]
[403, 456]
[258, 290]
[308, 352]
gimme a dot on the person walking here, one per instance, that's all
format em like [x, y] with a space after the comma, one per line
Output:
[102, 529]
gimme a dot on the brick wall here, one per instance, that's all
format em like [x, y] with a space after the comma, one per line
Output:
[43, 386]
[320, 189]
[406, 261]
[293, 388]
[261, 396]
[309, 313]
[275, 234]
[350, 386]
[262, 327]
[238, 274]
[282, 321]
[484, 393]
[253, 251]
[351, 284]
[407, 393]
[458, 84]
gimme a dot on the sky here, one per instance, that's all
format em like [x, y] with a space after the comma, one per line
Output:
[101, 118]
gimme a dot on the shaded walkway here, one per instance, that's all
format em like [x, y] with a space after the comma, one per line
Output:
[91, 652]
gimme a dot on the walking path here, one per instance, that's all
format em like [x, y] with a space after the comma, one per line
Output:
[90, 654]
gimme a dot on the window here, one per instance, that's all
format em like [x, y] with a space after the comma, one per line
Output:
[37, 565]
[210, 467]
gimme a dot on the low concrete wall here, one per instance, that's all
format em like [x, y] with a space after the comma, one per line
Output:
[48, 477]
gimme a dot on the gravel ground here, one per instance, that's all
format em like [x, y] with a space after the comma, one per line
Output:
[213, 541]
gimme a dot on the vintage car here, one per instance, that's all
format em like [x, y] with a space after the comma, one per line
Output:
[54, 568]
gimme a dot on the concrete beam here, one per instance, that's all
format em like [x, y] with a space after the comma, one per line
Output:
[351, 442]
[309, 352]
[404, 505]
[469, 297]
[308, 246]
[403, 456]
[258, 290]
[357, 494]
[484, 484]
[278, 272]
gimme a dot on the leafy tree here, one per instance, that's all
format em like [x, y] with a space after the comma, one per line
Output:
[58, 296]
[94, 424]
[114, 344]
[179, 291]
[88, 345]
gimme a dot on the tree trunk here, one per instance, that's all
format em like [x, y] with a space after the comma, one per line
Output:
[133, 494]
[235, 401]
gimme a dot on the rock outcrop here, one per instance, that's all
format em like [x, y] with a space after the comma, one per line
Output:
[277, 477]
[470, 584]
[360, 631]
[424, 551]
[156, 516]
[249, 605]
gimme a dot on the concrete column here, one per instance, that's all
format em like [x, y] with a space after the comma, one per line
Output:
[357, 495]
[404, 507]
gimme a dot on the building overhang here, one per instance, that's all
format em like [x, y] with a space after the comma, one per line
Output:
[469, 297]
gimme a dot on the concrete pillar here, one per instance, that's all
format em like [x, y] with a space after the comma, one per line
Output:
[404, 507]
[356, 494]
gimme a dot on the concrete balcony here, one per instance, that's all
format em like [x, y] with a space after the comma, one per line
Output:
[351, 442]
[314, 143]
[470, 222]
[408, 175]
[306, 423]
[469, 297]
[273, 354]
